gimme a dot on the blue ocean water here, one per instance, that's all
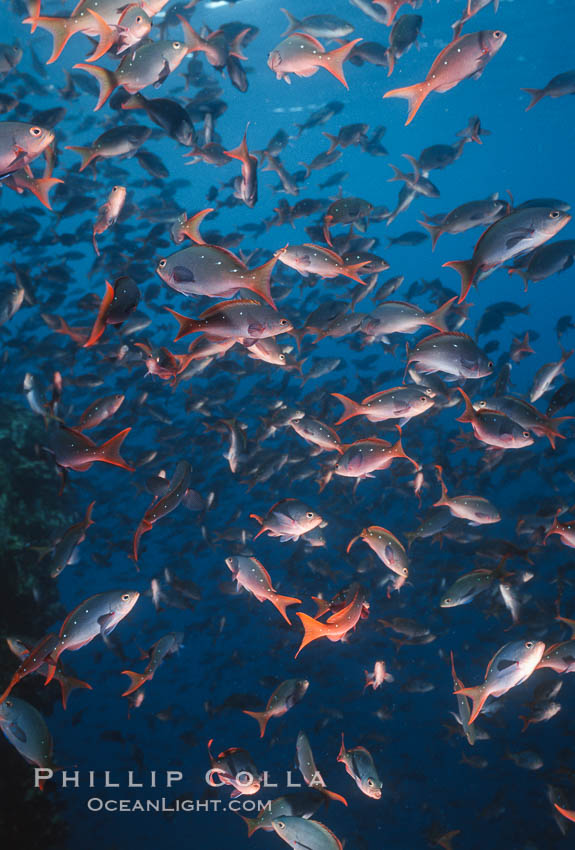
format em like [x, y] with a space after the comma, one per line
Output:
[233, 647]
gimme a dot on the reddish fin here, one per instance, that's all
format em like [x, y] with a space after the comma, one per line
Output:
[437, 318]
[69, 684]
[259, 281]
[143, 528]
[87, 154]
[106, 34]
[262, 717]
[252, 824]
[187, 325]
[478, 695]
[136, 681]
[323, 606]
[466, 270]
[106, 80]
[434, 230]
[40, 187]
[333, 61]
[61, 30]
[567, 813]
[313, 630]
[192, 225]
[398, 451]
[110, 450]
[469, 413]
[536, 95]
[350, 408]
[100, 323]
[331, 795]
[415, 95]
[282, 602]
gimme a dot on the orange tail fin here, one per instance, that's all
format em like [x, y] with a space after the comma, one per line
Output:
[313, 630]
[437, 318]
[187, 325]
[87, 154]
[106, 35]
[434, 230]
[136, 681]
[69, 684]
[100, 323]
[262, 717]
[110, 450]
[536, 95]
[191, 228]
[567, 813]
[282, 602]
[40, 187]
[398, 451]
[478, 695]
[333, 61]
[259, 281]
[61, 30]
[469, 413]
[415, 95]
[350, 408]
[106, 80]
[252, 824]
[466, 270]
[331, 795]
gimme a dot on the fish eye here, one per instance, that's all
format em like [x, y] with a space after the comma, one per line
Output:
[370, 783]
[125, 597]
[481, 403]
[309, 514]
[405, 571]
[554, 214]
[423, 398]
[529, 644]
[35, 131]
[281, 824]
[447, 599]
[336, 466]
[526, 434]
[176, 45]
[139, 19]
[284, 322]
[115, 189]
[497, 34]
[282, 358]
[161, 264]
[9, 703]
[490, 364]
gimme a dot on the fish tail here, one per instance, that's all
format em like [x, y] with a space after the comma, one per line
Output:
[241, 152]
[322, 606]
[143, 528]
[551, 426]
[333, 61]
[40, 187]
[342, 750]
[332, 795]
[110, 450]
[136, 681]
[478, 695]
[193, 40]
[468, 414]
[536, 95]
[106, 35]
[415, 95]
[294, 23]
[350, 544]
[61, 30]
[443, 500]
[191, 228]
[262, 717]
[259, 281]
[69, 684]
[437, 318]
[333, 142]
[13, 681]
[555, 527]
[106, 80]
[87, 154]
[434, 230]
[398, 451]
[282, 602]
[466, 270]
[350, 408]
[313, 630]
[352, 270]
[136, 101]
[570, 815]
[390, 56]
[100, 323]
[526, 722]
[187, 325]
[252, 825]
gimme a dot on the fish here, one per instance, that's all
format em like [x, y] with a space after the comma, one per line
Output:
[21, 144]
[454, 353]
[558, 86]
[74, 450]
[339, 623]
[108, 213]
[463, 713]
[236, 768]
[284, 697]
[27, 731]
[303, 55]
[493, 428]
[250, 574]
[22, 647]
[288, 519]
[402, 403]
[301, 832]
[308, 769]
[475, 509]
[244, 320]
[175, 493]
[166, 645]
[360, 766]
[376, 678]
[388, 549]
[466, 56]
[511, 665]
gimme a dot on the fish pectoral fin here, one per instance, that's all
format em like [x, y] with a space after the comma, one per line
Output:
[518, 237]
[17, 731]
[163, 75]
[105, 623]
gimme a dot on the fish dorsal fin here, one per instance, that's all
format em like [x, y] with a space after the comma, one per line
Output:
[223, 304]
[311, 40]
[322, 250]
